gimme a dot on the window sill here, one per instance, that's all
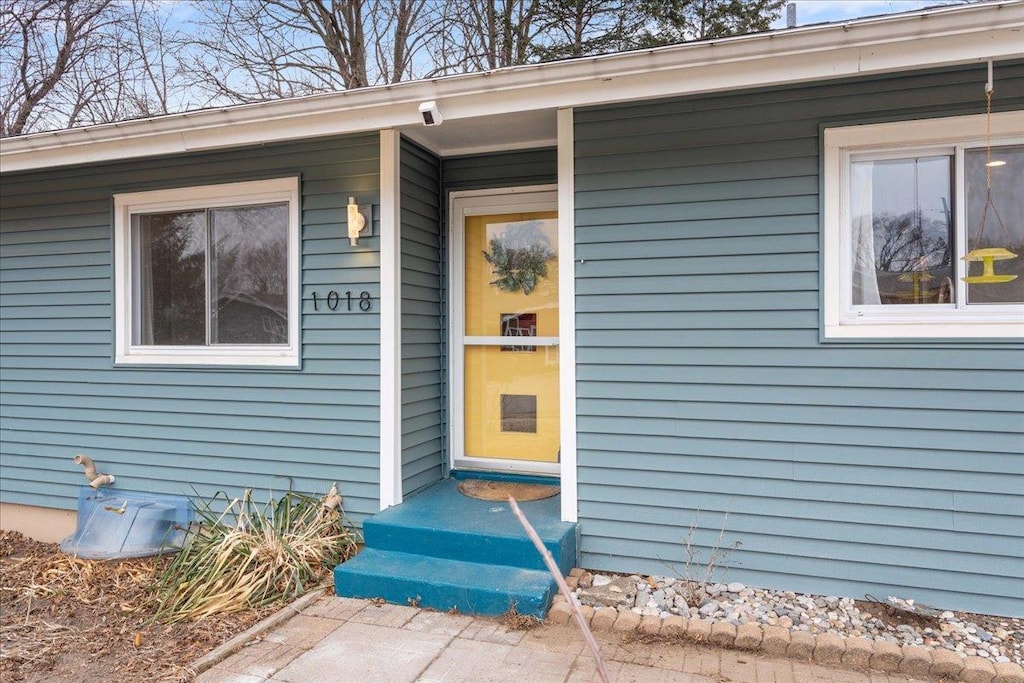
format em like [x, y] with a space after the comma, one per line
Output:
[243, 356]
[967, 330]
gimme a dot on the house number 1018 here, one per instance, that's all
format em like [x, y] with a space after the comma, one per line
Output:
[333, 301]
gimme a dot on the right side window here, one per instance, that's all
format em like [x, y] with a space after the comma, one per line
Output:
[995, 227]
[929, 240]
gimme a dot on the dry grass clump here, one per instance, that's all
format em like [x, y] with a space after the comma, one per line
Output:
[512, 620]
[250, 555]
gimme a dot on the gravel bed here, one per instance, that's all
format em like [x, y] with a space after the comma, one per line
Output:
[899, 621]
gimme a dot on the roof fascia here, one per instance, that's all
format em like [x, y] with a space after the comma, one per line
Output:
[904, 42]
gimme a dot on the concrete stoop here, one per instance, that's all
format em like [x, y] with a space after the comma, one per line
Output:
[446, 551]
[828, 649]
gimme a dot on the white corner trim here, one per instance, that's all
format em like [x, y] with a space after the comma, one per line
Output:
[567, 311]
[390, 320]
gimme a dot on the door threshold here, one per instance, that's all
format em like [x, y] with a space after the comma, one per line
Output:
[518, 477]
[543, 469]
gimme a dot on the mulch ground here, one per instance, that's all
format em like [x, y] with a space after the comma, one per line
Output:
[68, 619]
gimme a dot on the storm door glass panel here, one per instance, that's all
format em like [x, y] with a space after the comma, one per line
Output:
[511, 394]
[249, 273]
[1004, 222]
[902, 231]
[171, 294]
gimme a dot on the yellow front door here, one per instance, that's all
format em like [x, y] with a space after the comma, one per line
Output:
[510, 347]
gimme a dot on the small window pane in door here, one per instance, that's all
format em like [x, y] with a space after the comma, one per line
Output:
[518, 413]
[518, 325]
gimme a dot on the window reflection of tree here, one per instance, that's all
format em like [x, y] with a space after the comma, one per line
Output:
[251, 280]
[173, 256]
[248, 271]
[913, 258]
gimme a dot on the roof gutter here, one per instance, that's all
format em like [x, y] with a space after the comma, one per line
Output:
[927, 39]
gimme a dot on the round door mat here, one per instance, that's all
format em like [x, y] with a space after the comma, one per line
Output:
[485, 489]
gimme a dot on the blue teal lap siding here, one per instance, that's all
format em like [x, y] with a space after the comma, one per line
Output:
[422, 319]
[422, 171]
[707, 399]
[500, 169]
[170, 429]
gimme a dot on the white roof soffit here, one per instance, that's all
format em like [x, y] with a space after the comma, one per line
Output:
[914, 40]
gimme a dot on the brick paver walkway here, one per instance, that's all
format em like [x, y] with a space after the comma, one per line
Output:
[341, 640]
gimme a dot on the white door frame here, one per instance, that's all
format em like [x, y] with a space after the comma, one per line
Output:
[462, 204]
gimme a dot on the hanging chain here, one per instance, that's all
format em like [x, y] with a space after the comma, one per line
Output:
[988, 166]
[988, 173]
[988, 141]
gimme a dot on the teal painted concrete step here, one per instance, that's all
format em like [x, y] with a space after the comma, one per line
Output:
[441, 522]
[444, 584]
[443, 550]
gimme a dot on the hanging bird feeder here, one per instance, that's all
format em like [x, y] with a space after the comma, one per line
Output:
[988, 256]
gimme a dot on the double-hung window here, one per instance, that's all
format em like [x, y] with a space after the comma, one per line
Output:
[913, 248]
[208, 275]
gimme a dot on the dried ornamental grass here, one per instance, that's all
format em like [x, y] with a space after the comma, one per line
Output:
[250, 555]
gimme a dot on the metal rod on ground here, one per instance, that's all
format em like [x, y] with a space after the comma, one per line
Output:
[563, 587]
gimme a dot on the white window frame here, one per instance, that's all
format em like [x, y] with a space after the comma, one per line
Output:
[843, 320]
[249, 193]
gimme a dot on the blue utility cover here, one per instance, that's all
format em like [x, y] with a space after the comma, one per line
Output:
[114, 524]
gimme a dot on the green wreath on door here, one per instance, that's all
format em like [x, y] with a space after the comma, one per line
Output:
[517, 267]
[519, 258]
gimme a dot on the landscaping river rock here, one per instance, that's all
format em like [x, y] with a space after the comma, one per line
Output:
[899, 621]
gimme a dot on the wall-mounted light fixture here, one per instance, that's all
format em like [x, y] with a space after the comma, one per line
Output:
[358, 221]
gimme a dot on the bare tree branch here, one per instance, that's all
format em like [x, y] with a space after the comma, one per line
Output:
[75, 62]
[65, 63]
[42, 63]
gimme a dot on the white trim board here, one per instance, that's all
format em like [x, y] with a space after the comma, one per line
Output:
[567, 311]
[920, 40]
[390, 320]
